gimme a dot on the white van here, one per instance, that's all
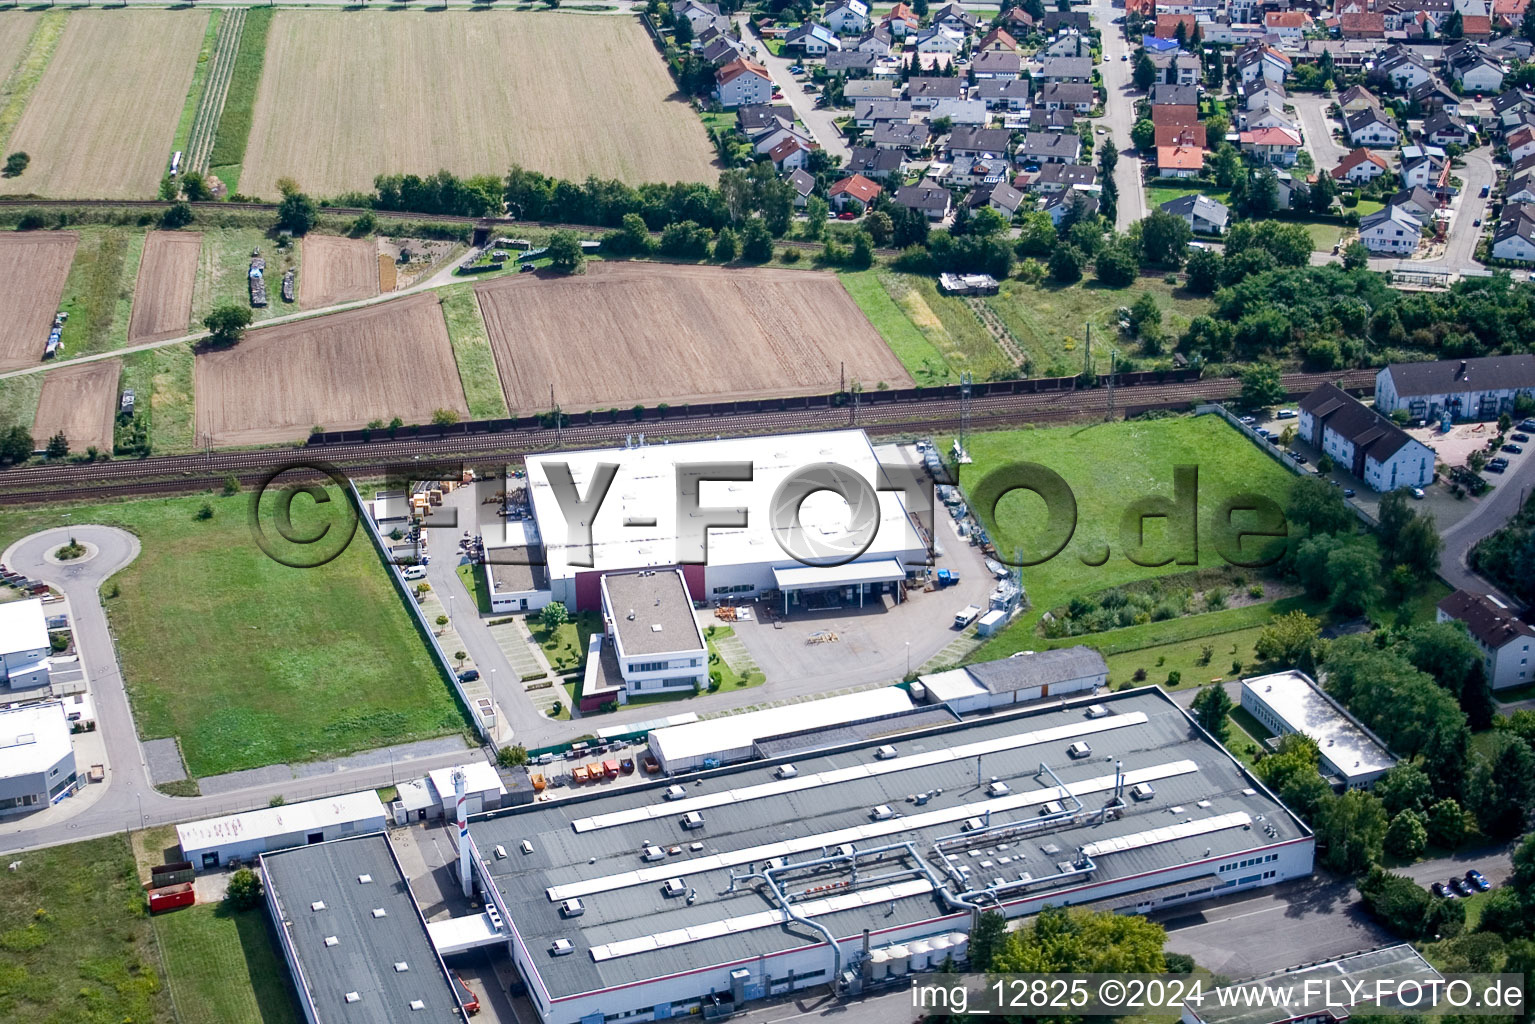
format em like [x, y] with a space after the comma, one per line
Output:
[414, 572]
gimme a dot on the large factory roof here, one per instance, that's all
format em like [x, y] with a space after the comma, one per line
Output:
[983, 775]
[271, 822]
[678, 743]
[645, 489]
[362, 948]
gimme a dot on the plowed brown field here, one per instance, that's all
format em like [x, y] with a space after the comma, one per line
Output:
[80, 400]
[33, 266]
[339, 372]
[337, 270]
[636, 332]
[162, 299]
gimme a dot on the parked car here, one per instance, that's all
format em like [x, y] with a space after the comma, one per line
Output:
[1485, 190]
[414, 572]
[1441, 890]
[1477, 223]
[1513, 449]
[1249, 420]
[1417, 492]
[847, 215]
[1285, 414]
[1460, 887]
[1527, 425]
[1478, 880]
[1348, 492]
[469, 675]
[1521, 438]
[1298, 457]
[1497, 465]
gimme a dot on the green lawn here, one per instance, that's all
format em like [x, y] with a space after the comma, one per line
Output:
[161, 379]
[1156, 195]
[565, 647]
[18, 399]
[1109, 466]
[223, 268]
[1240, 740]
[1324, 233]
[730, 679]
[473, 576]
[1051, 320]
[1185, 657]
[949, 327]
[98, 293]
[250, 662]
[920, 357]
[471, 350]
[195, 92]
[235, 121]
[76, 946]
[1369, 206]
[224, 967]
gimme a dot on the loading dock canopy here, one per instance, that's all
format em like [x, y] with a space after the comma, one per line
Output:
[812, 577]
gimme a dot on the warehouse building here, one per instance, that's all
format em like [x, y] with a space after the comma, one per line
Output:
[217, 842]
[356, 944]
[24, 646]
[1320, 992]
[1288, 702]
[657, 901]
[37, 759]
[1024, 677]
[647, 508]
[1461, 389]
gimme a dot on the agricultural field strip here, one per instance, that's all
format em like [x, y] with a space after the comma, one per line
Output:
[25, 51]
[210, 106]
[80, 402]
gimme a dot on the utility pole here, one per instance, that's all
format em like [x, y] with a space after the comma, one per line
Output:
[1087, 357]
[1112, 361]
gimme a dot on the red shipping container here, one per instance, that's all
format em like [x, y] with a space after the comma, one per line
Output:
[171, 897]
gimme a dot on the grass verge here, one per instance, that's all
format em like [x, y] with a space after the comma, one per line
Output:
[920, 357]
[250, 662]
[18, 399]
[473, 576]
[18, 86]
[195, 92]
[223, 967]
[472, 353]
[240, 102]
[75, 938]
[94, 289]
[161, 379]
[565, 646]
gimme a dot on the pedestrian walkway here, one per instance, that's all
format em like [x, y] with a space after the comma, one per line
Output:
[955, 652]
[453, 645]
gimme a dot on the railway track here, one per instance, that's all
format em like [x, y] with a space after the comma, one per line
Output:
[181, 473]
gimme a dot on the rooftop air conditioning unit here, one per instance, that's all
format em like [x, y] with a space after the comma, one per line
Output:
[561, 947]
[572, 908]
[885, 753]
[674, 887]
[786, 771]
[692, 819]
[675, 793]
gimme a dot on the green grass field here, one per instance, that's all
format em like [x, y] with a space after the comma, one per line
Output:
[949, 327]
[223, 270]
[251, 662]
[76, 946]
[471, 350]
[161, 379]
[235, 121]
[1051, 320]
[1324, 233]
[1156, 195]
[98, 293]
[473, 576]
[1109, 466]
[195, 92]
[1184, 657]
[18, 399]
[224, 967]
[918, 354]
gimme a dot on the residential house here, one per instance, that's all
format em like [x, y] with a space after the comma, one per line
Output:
[1503, 637]
[1424, 167]
[1000, 196]
[1180, 114]
[956, 19]
[1264, 117]
[1277, 146]
[847, 17]
[997, 39]
[971, 112]
[1061, 203]
[1167, 26]
[928, 198]
[1474, 69]
[1054, 21]
[754, 119]
[1391, 231]
[1360, 166]
[1356, 98]
[854, 193]
[868, 113]
[1476, 26]
[1403, 68]
[1363, 441]
[1260, 93]
[1180, 161]
[1070, 43]
[876, 40]
[1245, 12]
[1511, 48]
[1290, 191]
[1018, 21]
[1261, 60]
[1181, 135]
[1419, 202]
[1065, 69]
[791, 153]
[877, 164]
[702, 16]
[1049, 148]
[1512, 101]
[1053, 178]
[901, 21]
[1362, 25]
[1464, 389]
[1002, 64]
[1521, 188]
[1052, 119]
[979, 142]
[975, 172]
[742, 81]
[1202, 214]
[855, 64]
[803, 184]
[1177, 68]
[1289, 26]
[1520, 144]
[1372, 128]
[868, 89]
[935, 40]
[1447, 130]
[811, 39]
[1003, 94]
[1066, 96]
[1174, 96]
[1514, 238]
[908, 138]
[1433, 96]
[721, 50]
[924, 92]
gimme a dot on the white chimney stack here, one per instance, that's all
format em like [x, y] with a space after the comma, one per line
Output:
[461, 808]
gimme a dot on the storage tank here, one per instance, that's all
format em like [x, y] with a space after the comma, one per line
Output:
[879, 962]
[961, 942]
[921, 955]
[942, 949]
[900, 959]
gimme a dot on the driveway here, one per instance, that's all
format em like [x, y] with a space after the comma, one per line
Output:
[1119, 113]
[1491, 514]
[820, 122]
[1317, 127]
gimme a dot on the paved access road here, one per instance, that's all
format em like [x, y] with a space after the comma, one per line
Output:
[819, 121]
[1119, 113]
[1491, 515]
[1316, 125]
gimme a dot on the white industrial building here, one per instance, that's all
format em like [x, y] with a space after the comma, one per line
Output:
[869, 860]
[1504, 638]
[1024, 677]
[1291, 702]
[24, 646]
[1364, 442]
[1324, 992]
[514, 575]
[648, 616]
[483, 788]
[215, 842]
[37, 759]
[636, 525]
[1462, 389]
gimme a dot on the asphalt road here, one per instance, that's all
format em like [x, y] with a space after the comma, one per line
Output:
[822, 127]
[1119, 114]
[1317, 128]
[1491, 515]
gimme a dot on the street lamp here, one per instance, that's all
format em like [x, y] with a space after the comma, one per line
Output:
[908, 657]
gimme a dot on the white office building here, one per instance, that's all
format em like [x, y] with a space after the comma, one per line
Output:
[648, 617]
[37, 759]
[215, 842]
[1291, 702]
[23, 645]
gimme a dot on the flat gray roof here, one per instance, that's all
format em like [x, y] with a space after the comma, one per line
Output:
[590, 847]
[367, 947]
[511, 569]
[1393, 963]
[663, 612]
